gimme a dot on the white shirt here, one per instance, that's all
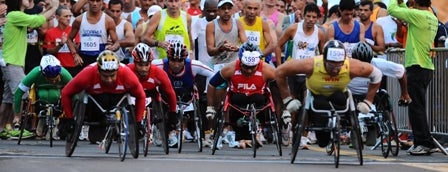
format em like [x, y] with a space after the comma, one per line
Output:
[359, 85]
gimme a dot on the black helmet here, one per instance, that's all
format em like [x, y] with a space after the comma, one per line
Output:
[362, 51]
[334, 51]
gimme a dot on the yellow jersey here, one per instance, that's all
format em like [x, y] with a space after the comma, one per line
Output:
[321, 83]
[172, 30]
[254, 33]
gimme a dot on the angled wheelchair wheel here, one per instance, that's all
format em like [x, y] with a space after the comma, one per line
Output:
[218, 130]
[336, 142]
[51, 124]
[160, 122]
[393, 133]
[276, 134]
[198, 125]
[123, 131]
[299, 128]
[356, 136]
[108, 138]
[72, 138]
[146, 123]
[25, 116]
[180, 133]
[132, 130]
[385, 142]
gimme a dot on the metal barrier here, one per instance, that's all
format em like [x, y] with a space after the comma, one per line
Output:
[436, 97]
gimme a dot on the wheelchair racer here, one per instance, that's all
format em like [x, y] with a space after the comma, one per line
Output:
[48, 80]
[248, 77]
[182, 71]
[151, 77]
[363, 52]
[327, 76]
[106, 81]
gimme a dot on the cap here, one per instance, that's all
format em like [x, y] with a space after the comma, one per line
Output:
[153, 9]
[222, 2]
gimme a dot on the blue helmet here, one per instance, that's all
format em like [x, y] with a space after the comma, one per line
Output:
[249, 54]
[50, 66]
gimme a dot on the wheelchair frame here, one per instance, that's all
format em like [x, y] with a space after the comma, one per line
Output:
[121, 108]
[333, 126]
[251, 112]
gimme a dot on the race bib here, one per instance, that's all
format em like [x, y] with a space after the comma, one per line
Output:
[303, 54]
[253, 37]
[349, 48]
[90, 43]
[109, 65]
[335, 54]
[174, 38]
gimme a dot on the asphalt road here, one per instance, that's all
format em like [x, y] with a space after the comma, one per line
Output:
[38, 156]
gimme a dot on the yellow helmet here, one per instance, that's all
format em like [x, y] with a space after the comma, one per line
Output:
[108, 61]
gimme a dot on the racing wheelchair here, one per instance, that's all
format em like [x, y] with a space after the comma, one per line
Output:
[336, 118]
[380, 126]
[184, 109]
[250, 113]
[120, 125]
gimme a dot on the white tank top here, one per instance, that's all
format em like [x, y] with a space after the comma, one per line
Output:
[93, 36]
[121, 52]
[305, 46]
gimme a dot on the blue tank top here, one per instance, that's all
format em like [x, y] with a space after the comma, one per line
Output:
[181, 84]
[368, 33]
[135, 16]
[353, 37]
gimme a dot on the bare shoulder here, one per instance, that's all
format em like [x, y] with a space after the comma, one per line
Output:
[359, 68]
[228, 70]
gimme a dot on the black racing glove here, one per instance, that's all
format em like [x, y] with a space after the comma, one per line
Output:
[172, 120]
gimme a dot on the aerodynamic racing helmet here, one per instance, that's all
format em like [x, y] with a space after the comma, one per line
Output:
[177, 51]
[249, 54]
[334, 51]
[50, 66]
[142, 53]
[362, 51]
[108, 61]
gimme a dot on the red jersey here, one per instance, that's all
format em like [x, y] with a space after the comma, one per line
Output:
[89, 80]
[53, 37]
[158, 78]
[193, 11]
[247, 84]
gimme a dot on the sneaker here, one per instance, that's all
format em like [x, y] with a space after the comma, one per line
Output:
[303, 143]
[419, 150]
[84, 135]
[16, 133]
[207, 142]
[219, 144]
[312, 137]
[285, 135]
[172, 140]
[188, 135]
[4, 134]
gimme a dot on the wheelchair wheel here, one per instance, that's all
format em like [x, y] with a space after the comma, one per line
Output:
[393, 133]
[385, 142]
[180, 133]
[299, 128]
[25, 116]
[109, 137]
[132, 130]
[160, 122]
[50, 122]
[336, 142]
[356, 136]
[254, 131]
[146, 123]
[123, 134]
[276, 134]
[198, 125]
[218, 131]
[72, 138]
